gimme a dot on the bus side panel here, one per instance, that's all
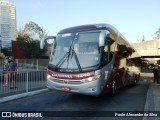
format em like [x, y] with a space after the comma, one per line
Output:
[114, 73]
[108, 86]
[124, 72]
[120, 73]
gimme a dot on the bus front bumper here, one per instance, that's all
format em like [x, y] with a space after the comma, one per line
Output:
[87, 88]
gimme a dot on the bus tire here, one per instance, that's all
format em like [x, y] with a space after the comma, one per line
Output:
[114, 88]
[135, 80]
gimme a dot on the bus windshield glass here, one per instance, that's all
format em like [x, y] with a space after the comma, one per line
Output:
[76, 51]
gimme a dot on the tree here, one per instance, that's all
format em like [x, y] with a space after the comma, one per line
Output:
[28, 43]
[6, 51]
[34, 30]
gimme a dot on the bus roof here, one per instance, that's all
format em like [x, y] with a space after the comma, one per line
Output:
[86, 28]
[100, 26]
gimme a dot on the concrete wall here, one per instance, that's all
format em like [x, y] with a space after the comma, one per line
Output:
[148, 48]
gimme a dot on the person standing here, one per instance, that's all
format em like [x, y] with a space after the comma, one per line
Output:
[155, 73]
[6, 71]
[13, 71]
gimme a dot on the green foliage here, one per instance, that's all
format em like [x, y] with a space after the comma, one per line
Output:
[6, 51]
[29, 44]
[31, 48]
[34, 30]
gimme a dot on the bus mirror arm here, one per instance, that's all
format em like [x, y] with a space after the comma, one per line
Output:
[42, 42]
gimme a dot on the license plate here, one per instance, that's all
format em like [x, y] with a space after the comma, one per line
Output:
[65, 88]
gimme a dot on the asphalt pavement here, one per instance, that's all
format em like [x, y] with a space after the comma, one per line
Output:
[152, 99]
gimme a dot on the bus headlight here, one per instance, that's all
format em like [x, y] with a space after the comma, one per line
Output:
[92, 78]
[49, 76]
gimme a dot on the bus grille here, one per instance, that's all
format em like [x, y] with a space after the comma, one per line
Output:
[67, 81]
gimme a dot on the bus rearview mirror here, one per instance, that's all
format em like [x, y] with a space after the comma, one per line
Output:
[48, 39]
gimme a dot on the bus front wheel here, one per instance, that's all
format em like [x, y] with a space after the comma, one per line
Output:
[136, 79]
[114, 88]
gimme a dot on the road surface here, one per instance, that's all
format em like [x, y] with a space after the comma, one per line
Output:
[131, 98]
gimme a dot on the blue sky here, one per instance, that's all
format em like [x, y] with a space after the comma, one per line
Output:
[133, 18]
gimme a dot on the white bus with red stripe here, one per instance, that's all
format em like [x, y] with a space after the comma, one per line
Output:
[91, 60]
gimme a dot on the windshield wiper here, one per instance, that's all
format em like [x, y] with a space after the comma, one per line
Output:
[67, 56]
[63, 59]
[77, 61]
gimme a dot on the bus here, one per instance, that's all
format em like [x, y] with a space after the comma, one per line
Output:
[91, 60]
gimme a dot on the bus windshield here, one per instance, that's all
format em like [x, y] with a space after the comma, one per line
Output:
[76, 51]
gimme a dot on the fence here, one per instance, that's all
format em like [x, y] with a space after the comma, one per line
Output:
[29, 64]
[38, 64]
[22, 81]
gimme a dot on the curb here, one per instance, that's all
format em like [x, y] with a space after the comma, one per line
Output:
[150, 104]
[13, 97]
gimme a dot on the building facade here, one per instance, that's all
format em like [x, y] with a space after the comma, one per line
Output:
[7, 23]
